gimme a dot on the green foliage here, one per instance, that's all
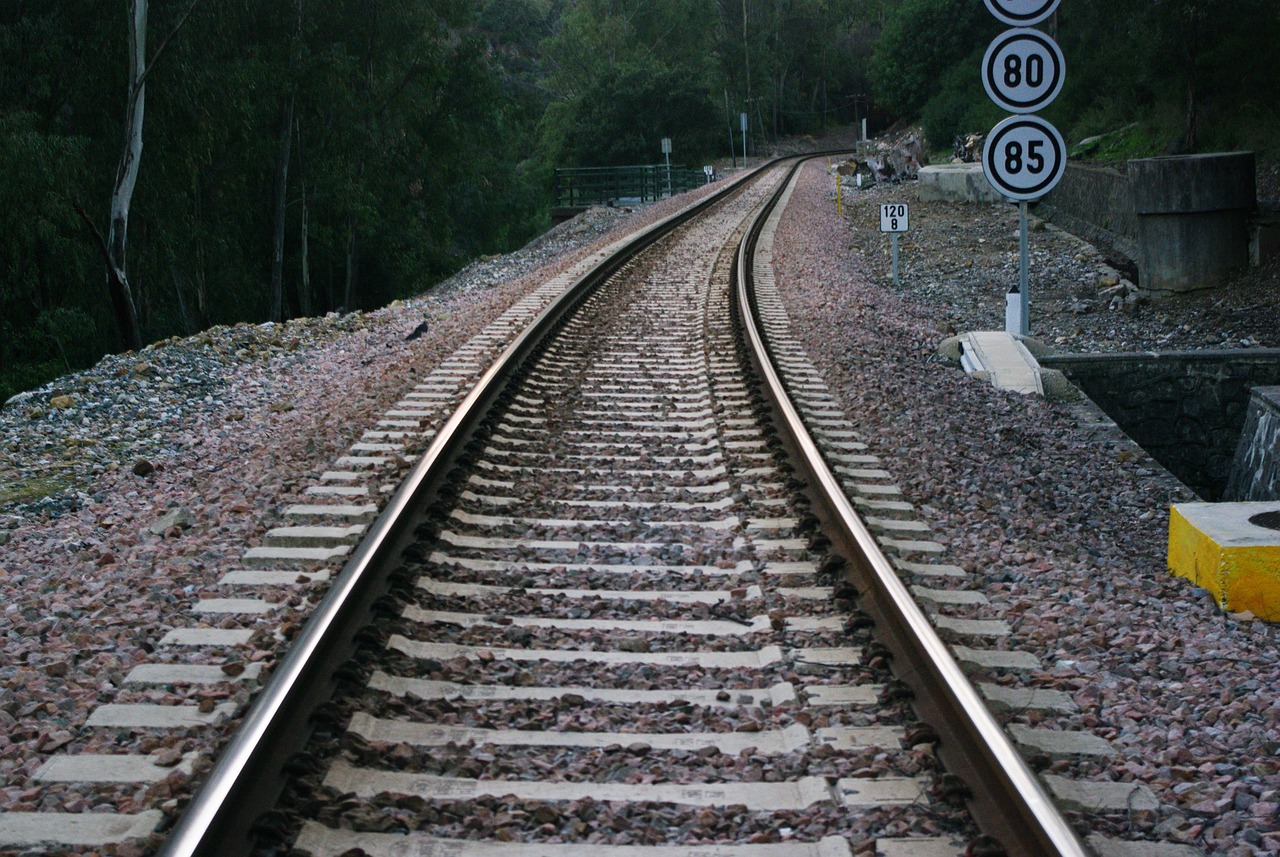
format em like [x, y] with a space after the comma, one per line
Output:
[958, 106]
[622, 113]
[425, 132]
[1161, 77]
[1195, 75]
[628, 74]
[43, 260]
[923, 41]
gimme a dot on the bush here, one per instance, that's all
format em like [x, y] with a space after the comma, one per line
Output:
[923, 43]
[958, 106]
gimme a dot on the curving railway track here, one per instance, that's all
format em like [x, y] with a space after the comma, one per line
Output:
[624, 605]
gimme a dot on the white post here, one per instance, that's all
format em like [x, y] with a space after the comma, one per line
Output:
[1016, 302]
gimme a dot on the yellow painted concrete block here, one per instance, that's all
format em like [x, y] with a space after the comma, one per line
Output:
[1215, 546]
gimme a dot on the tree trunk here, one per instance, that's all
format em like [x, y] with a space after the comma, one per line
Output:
[188, 326]
[304, 288]
[281, 208]
[122, 305]
[348, 292]
[116, 241]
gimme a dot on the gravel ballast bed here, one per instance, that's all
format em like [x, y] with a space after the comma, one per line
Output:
[229, 426]
[1065, 536]
[1067, 543]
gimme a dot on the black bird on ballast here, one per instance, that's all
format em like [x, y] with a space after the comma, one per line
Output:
[420, 330]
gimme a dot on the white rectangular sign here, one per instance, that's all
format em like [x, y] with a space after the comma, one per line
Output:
[893, 217]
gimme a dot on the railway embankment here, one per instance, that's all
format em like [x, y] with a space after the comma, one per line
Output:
[1061, 529]
[1063, 522]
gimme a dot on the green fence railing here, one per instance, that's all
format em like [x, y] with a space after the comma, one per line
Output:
[579, 187]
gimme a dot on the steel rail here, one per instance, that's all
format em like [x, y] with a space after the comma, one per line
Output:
[249, 775]
[1005, 799]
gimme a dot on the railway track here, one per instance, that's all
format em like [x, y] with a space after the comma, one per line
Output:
[620, 605]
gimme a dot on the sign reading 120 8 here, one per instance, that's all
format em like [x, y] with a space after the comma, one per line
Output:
[1024, 157]
[1021, 13]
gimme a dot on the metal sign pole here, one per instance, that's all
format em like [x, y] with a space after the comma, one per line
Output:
[1024, 312]
[666, 153]
[893, 241]
[1024, 156]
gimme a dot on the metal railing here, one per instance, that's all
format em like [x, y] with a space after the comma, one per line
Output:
[579, 187]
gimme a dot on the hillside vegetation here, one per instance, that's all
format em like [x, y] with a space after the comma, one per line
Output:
[178, 164]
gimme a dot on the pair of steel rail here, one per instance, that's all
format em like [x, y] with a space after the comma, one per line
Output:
[1006, 800]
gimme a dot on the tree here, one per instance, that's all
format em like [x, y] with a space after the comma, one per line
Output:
[115, 244]
[626, 74]
[923, 40]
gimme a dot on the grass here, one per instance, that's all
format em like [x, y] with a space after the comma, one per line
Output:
[30, 490]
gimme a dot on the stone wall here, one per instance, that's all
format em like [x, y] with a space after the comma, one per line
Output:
[1255, 474]
[1186, 408]
[1096, 203]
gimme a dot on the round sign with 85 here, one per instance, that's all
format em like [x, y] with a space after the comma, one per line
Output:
[1024, 157]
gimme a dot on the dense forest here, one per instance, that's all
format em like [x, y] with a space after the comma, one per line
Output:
[175, 164]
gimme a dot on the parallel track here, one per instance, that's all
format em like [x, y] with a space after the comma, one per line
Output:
[505, 601]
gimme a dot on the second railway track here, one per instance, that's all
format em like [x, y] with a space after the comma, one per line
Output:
[614, 623]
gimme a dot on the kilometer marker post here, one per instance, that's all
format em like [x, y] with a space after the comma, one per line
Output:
[894, 219]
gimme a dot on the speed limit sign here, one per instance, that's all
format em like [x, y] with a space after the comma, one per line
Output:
[1024, 157]
[1021, 13]
[1023, 70]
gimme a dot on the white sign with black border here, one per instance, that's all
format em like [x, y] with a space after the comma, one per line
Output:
[894, 217]
[1021, 13]
[1023, 70]
[1024, 157]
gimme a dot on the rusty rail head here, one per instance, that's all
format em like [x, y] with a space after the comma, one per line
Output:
[1006, 800]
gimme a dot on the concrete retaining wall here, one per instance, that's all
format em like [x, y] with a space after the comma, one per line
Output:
[1186, 408]
[1096, 203]
[956, 183]
[1193, 218]
[1175, 224]
[1255, 473]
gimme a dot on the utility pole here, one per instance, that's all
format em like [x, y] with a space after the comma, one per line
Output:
[746, 52]
[728, 118]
